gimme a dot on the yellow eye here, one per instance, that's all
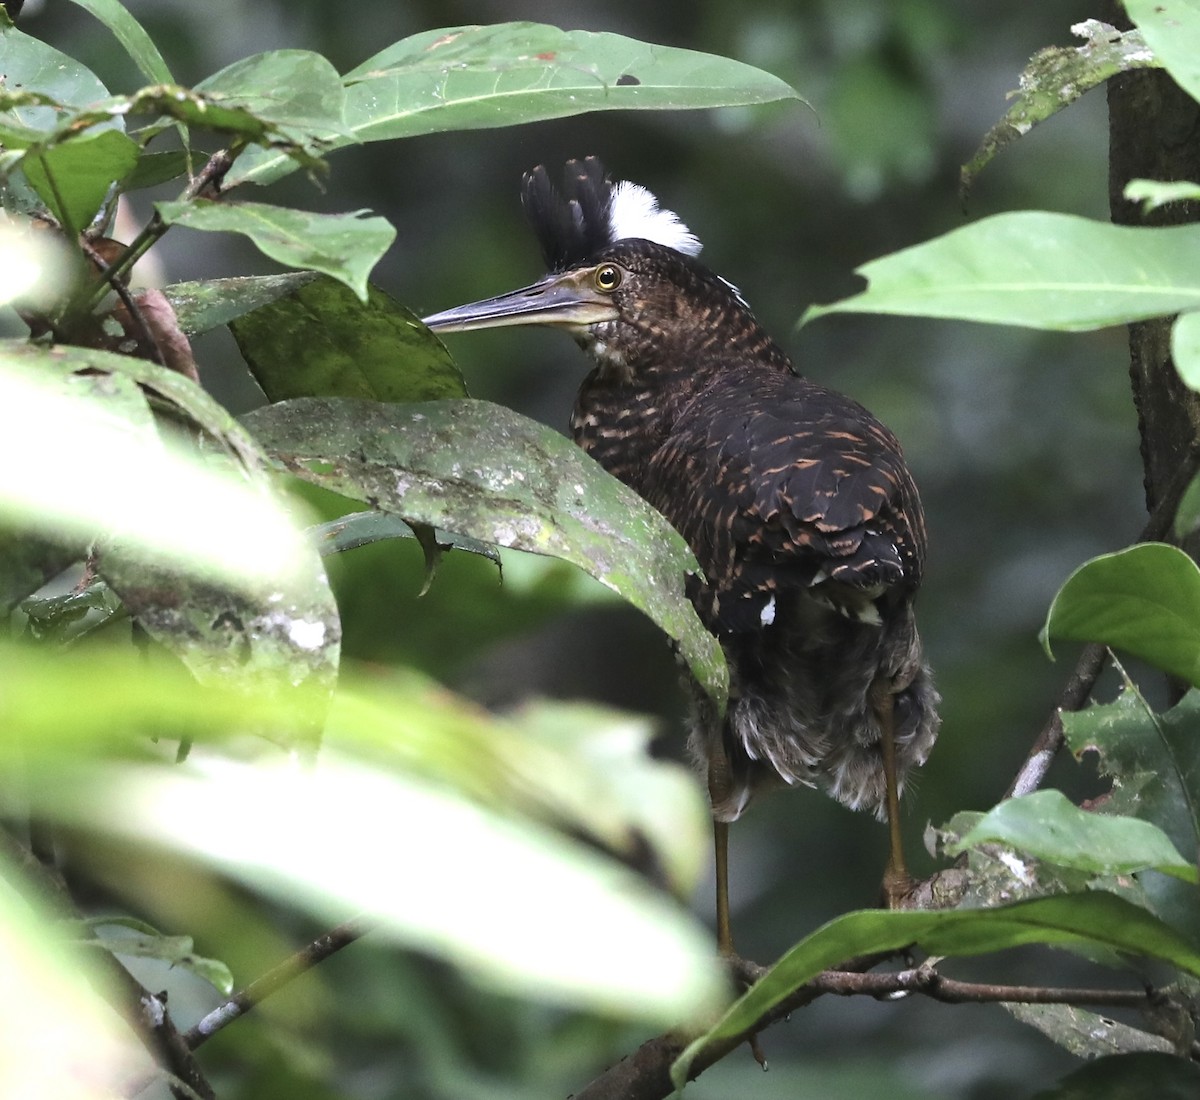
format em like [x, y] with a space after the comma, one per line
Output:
[607, 278]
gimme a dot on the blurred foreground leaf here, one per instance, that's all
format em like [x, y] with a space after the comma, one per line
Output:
[1144, 600]
[1086, 919]
[1037, 270]
[484, 471]
[1172, 31]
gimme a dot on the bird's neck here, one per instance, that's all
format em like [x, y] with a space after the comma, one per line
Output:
[628, 404]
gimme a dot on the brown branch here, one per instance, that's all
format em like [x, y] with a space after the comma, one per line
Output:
[288, 970]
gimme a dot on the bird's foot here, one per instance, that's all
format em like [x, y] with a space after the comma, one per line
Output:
[745, 973]
[898, 890]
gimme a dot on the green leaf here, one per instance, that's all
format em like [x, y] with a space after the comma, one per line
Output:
[1087, 1034]
[1154, 763]
[463, 78]
[153, 169]
[1172, 30]
[150, 944]
[482, 470]
[1185, 348]
[298, 92]
[1055, 78]
[345, 246]
[1187, 515]
[319, 340]
[33, 67]
[73, 178]
[1143, 1076]
[133, 38]
[168, 503]
[363, 528]
[1144, 600]
[1069, 919]
[1047, 825]
[563, 923]
[1155, 193]
[210, 303]
[1038, 270]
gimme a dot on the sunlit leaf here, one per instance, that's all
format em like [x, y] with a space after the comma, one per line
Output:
[1155, 193]
[462, 78]
[74, 177]
[320, 340]
[133, 38]
[155, 497]
[1185, 348]
[1172, 30]
[345, 246]
[563, 923]
[482, 470]
[1055, 78]
[1144, 600]
[1069, 919]
[1046, 824]
[1037, 270]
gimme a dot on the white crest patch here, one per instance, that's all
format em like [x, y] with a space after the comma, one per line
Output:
[634, 212]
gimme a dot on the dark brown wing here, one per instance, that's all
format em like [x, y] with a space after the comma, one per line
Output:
[777, 483]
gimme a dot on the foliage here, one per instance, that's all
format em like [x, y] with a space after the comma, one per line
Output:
[242, 746]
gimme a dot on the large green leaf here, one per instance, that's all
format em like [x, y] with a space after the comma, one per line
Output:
[1038, 270]
[133, 38]
[1144, 600]
[1172, 30]
[1070, 919]
[1055, 78]
[462, 78]
[1048, 825]
[319, 340]
[345, 246]
[73, 178]
[482, 470]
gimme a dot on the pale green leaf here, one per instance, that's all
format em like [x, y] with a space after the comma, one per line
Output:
[462, 78]
[1185, 348]
[146, 943]
[1144, 600]
[1048, 826]
[1172, 30]
[319, 340]
[210, 303]
[133, 38]
[1155, 193]
[482, 470]
[1037, 270]
[345, 246]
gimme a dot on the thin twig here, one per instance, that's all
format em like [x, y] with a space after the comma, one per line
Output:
[245, 999]
[1079, 685]
[145, 337]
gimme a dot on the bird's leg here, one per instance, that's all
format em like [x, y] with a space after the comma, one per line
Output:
[897, 883]
[721, 870]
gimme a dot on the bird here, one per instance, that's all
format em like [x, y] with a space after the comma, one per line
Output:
[796, 501]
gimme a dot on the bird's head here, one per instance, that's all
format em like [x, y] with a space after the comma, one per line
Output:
[623, 275]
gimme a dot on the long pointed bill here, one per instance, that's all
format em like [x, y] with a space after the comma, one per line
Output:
[568, 300]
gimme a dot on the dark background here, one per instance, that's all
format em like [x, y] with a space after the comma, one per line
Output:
[1024, 446]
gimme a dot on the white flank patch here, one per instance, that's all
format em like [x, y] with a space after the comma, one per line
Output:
[767, 615]
[634, 212]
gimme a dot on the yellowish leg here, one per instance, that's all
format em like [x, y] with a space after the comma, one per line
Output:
[897, 883]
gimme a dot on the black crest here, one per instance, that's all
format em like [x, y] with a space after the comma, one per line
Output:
[573, 224]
